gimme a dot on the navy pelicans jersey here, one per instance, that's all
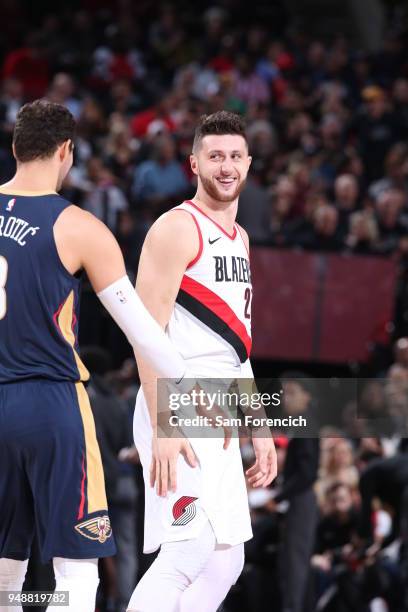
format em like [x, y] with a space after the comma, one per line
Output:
[39, 299]
[211, 320]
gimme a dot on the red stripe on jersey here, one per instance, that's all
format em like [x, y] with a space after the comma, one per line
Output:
[214, 303]
[242, 238]
[200, 237]
[234, 233]
[56, 315]
[82, 502]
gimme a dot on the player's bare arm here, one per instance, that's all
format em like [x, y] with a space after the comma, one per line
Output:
[170, 245]
[265, 468]
[85, 242]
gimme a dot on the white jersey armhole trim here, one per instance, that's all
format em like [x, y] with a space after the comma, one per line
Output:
[200, 237]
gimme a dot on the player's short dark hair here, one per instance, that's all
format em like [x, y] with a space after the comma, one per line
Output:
[41, 127]
[220, 123]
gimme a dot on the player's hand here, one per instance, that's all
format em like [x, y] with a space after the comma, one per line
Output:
[163, 469]
[265, 468]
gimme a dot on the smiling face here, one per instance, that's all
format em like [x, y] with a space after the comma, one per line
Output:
[221, 163]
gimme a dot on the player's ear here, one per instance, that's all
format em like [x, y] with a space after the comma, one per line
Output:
[65, 149]
[249, 161]
[193, 164]
[13, 148]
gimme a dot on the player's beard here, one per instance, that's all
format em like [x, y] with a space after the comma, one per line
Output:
[217, 194]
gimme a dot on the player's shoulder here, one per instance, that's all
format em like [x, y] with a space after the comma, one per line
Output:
[244, 235]
[174, 231]
[80, 224]
[176, 222]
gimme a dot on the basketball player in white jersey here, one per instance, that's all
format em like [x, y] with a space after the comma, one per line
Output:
[194, 278]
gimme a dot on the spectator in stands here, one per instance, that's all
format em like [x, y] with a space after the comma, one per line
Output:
[300, 133]
[396, 171]
[62, 91]
[91, 124]
[160, 180]
[104, 199]
[214, 21]
[254, 210]
[362, 233]
[299, 476]
[336, 530]
[337, 466]
[121, 151]
[401, 352]
[11, 100]
[392, 224]
[156, 119]
[123, 99]
[29, 64]
[346, 194]
[322, 234]
[262, 142]
[249, 86]
[331, 154]
[283, 200]
[377, 130]
[396, 393]
[387, 480]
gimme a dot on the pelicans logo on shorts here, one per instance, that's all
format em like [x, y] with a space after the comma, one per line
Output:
[184, 510]
[97, 528]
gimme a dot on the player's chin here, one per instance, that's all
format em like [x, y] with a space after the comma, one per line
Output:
[226, 196]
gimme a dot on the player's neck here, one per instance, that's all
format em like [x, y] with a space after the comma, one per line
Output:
[224, 213]
[33, 177]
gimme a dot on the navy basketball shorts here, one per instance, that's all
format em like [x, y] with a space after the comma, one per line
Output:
[51, 475]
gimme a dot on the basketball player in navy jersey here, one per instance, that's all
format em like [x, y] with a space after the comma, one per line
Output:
[51, 476]
[194, 278]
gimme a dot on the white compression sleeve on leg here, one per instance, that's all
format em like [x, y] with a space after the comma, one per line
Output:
[177, 566]
[80, 578]
[212, 585]
[143, 332]
[12, 574]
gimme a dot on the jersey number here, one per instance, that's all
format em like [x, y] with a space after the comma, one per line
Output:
[247, 298]
[3, 280]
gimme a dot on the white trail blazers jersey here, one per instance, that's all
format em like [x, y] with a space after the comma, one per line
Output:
[211, 321]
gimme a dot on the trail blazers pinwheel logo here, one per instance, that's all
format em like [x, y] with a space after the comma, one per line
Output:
[184, 510]
[97, 528]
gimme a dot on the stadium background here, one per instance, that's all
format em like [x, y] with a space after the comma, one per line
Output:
[324, 88]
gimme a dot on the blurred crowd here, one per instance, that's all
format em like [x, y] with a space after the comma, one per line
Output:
[327, 130]
[327, 122]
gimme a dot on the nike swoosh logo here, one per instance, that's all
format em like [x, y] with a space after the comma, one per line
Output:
[215, 240]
